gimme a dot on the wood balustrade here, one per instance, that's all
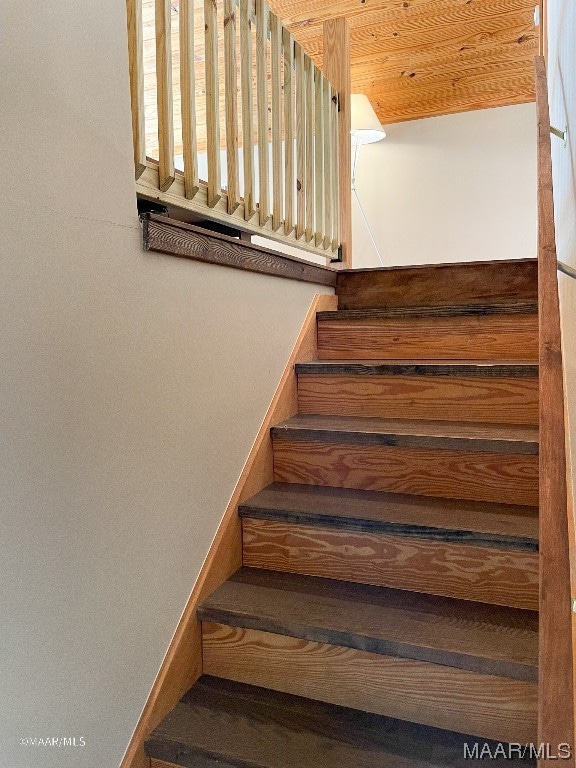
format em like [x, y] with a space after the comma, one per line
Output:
[267, 108]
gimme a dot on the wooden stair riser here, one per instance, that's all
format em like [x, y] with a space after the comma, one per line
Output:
[456, 398]
[483, 574]
[482, 705]
[510, 337]
[440, 285]
[475, 475]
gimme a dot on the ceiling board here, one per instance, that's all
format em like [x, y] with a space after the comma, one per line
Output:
[420, 58]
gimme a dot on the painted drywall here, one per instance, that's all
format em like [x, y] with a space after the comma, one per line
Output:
[562, 87]
[453, 188]
[132, 386]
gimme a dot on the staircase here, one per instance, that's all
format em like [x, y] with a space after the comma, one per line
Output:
[386, 611]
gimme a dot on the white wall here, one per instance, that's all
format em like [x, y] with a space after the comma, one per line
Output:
[131, 388]
[453, 188]
[562, 86]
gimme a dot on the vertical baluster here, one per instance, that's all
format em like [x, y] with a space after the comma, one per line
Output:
[188, 95]
[136, 61]
[300, 141]
[230, 70]
[247, 106]
[212, 102]
[164, 81]
[276, 75]
[329, 152]
[318, 158]
[336, 64]
[262, 107]
[288, 45]
[309, 67]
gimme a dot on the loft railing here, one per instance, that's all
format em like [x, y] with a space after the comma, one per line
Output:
[221, 88]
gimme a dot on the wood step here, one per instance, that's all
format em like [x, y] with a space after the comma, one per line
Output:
[496, 463]
[468, 550]
[234, 725]
[465, 283]
[487, 706]
[450, 520]
[455, 633]
[376, 334]
[482, 391]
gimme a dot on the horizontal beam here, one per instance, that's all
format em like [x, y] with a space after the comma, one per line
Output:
[176, 238]
[147, 187]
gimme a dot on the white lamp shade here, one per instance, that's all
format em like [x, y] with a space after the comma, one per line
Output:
[366, 128]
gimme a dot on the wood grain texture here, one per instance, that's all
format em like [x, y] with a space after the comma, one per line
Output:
[188, 98]
[491, 399]
[455, 633]
[487, 282]
[220, 723]
[427, 57]
[486, 706]
[261, 54]
[556, 699]
[289, 129]
[164, 95]
[135, 55]
[460, 368]
[182, 664]
[402, 313]
[514, 337]
[336, 67]
[482, 574]
[411, 433]
[231, 100]
[499, 478]
[212, 81]
[456, 520]
[247, 99]
[176, 238]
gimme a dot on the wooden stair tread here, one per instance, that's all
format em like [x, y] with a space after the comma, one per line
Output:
[413, 433]
[472, 522]
[468, 310]
[481, 368]
[235, 725]
[456, 633]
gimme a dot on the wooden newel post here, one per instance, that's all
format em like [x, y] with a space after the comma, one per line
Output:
[337, 69]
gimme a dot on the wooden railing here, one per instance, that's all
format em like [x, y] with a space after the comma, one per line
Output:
[556, 663]
[223, 82]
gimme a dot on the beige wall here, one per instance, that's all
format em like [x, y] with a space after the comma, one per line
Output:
[562, 86]
[454, 188]
[132, 386]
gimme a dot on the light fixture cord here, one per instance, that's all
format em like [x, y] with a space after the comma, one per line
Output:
[368, 227]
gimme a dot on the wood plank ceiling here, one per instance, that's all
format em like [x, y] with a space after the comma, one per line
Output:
[420, 58]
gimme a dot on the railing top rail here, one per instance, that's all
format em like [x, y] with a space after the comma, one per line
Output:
[555, 690]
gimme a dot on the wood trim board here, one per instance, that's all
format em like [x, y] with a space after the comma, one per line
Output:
[176, 238]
